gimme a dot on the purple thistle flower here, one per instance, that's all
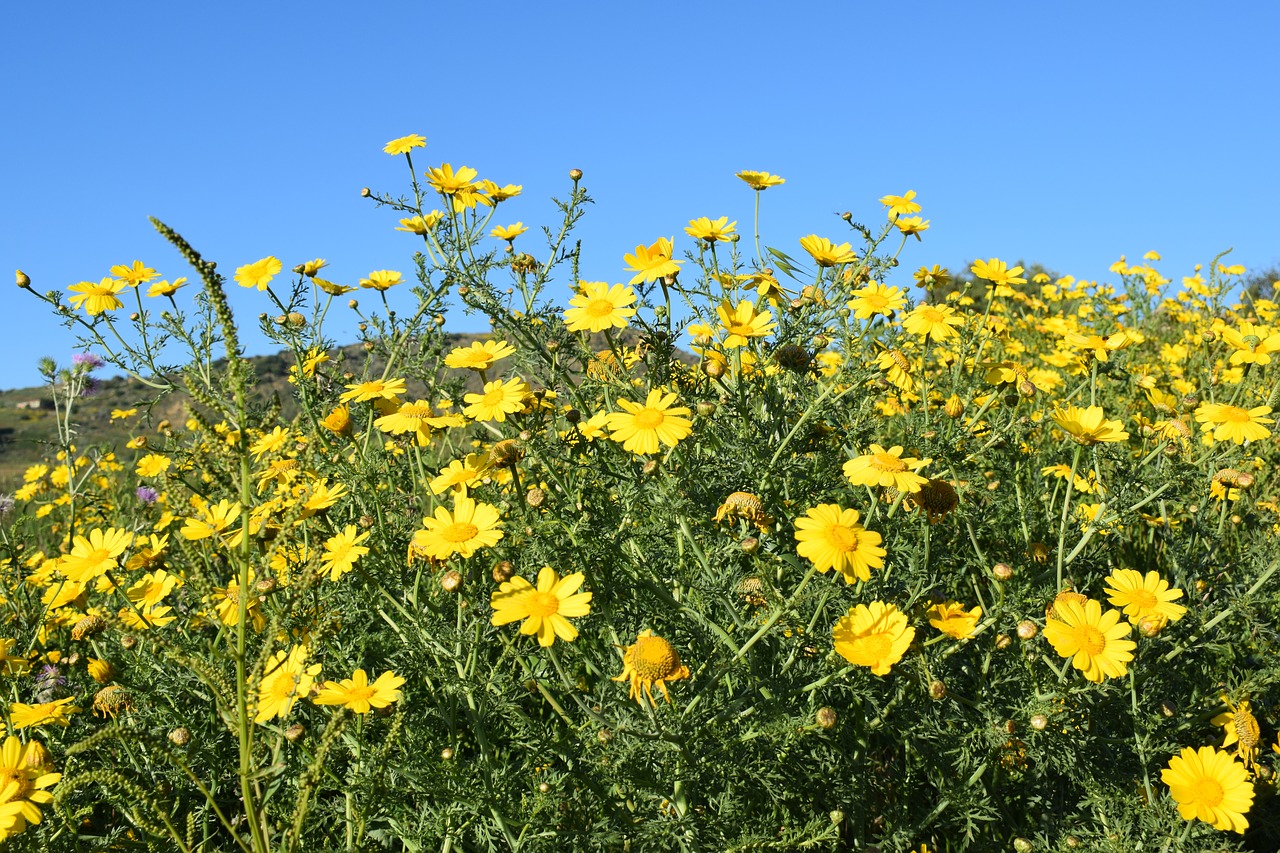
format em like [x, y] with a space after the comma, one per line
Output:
[87, 360]
[90, 387]
[147, 495]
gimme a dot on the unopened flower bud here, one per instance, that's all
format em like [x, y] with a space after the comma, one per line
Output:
[128, 641]
[451, 581]
[463, 290]
[1022, 845]
[573, 416]
[836, 817]
[1027, 629]
[133, 316]
[535, 497]
[826, 717]
[604, 735]
[553, 346]
[353, 304]
[365, 192]
[296, 319]
[1168, 709]
[713, 368]
[281, 319]
[954, 407]
[367, 521]
[1027, 389]
[1151, 626]
[575, 175]
[24, 280]
[506, 452]
[847, 216]
[1003, 641]
[706, 408]
[750, 545]
[446, 754]
[1073, 842]
[1208, 336]
[543, 788]
[649, 467]
[295, 733]
[181, 736]
[1002, 571]
[1039, 722]
[367, 346]
[503, 571]
[937, 690]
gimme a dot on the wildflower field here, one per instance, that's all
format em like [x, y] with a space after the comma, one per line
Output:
[773, 544]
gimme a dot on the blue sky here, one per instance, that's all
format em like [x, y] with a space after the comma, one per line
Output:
[1067, 134]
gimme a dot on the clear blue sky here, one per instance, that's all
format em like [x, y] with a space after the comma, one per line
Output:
[1063, 133]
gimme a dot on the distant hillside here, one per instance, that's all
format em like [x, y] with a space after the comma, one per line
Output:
[28, 431]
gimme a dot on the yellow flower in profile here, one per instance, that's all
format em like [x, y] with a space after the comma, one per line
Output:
[414, 418]
[996, 272]
[226, 605]
[1089, 425]
[338, 421]
[911, 226]
[97, 298]
[55, 713]
[1094, 640]
[210, 520]
[134, 274]
[881, 467]
[933, 321]
[424, 224]
[759, 181]
[598, 307]
[150, 589]
[900, 205]
[744, 323]
[481, 355]
[642, 426]
[652, 262]
[1240, 727]
[259, 273]
[1232, 423]
[460, 187]
[341, 552]
[405, 144]
[1142, 596]
[1252, 344]
[508, 232]
[710, 230]
[830, 537]
[25, 774]
[825, 253]
[648, 661]
[166, 287]
[875, 636]
[953, 620]
[498, 400]
[875, 299]
[545, 609]
[469, 527]
[286, 679]
[1209, 785]
[381, 280]
[358, 695]
[376, 389]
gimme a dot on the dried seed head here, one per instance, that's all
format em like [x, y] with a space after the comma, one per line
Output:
[88, 626]
[128, 641]
[181, 736]
[503, 571]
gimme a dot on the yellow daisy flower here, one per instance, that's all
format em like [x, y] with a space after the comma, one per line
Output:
[648, 661]
[642, 426]
[875, 636]
[598, 307]
[545, 609]
[831, 538]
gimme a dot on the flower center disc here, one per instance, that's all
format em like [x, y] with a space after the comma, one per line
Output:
[1235, 414]
[873, 649]
[1092, 640]
[1207, 791]
[459, 531]
[887, 462]
[649, 418]
[842, 538]
[1145, 599]
[599, 308]
[543, 604]
[654, 658]
[18, 777]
